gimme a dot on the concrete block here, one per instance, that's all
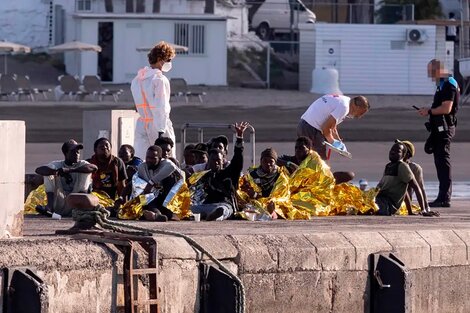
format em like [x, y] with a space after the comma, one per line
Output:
[334, 252]
[105, 123]
[351, 292]
[174, 248]
[178, 281]
[260, 292]
[219, 246]
[464, 235]
[254, 255]
[447, 249]
[366, 243]
[12, 150]
[294, 252]
[79, 291]
[441, 290]
[409, 247]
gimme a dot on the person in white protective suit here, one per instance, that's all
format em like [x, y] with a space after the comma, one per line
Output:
[151, 92]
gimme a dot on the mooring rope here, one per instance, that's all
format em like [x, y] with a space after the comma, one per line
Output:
[100, 216]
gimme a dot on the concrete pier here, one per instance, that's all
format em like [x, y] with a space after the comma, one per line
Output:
[12, 151]
[319, 265]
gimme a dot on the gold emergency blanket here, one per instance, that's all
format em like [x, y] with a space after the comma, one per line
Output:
[35, 197]
[403, 211]
[103, 198]
[279, 197]
[314, 191]
[38, 197]
[180, 203]
[132, 209]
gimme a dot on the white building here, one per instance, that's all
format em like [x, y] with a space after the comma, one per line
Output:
[372, 59]
[121, 26]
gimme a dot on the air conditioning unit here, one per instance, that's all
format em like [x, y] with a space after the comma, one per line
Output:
[416, 35]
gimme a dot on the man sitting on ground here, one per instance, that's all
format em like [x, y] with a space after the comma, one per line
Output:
[111, 175]
[188, 157]
[62, 178]
[218, 186]
[394, 184]
[303, 147]
[265, 177]
[131, 162]
[160, 175]
[417, 172]
[167, 145]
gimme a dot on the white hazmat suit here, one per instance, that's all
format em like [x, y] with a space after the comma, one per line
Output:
[151, 92]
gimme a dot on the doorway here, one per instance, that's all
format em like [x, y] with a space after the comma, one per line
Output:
[105, 58]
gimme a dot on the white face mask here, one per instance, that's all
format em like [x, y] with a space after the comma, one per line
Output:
[166, 67]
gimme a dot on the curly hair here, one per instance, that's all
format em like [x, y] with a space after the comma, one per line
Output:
[162, 51]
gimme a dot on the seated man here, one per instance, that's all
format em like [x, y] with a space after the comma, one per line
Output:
[127, 154]
[160, 175]
[265, 177]
[62, 178]
[200, 159]
[188, 157]
[417, 172]
[111, 175]
[394, 184]
[303, 147]
[167, 145]
[218, 186]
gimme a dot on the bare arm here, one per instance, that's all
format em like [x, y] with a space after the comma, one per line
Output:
[414, 185]
[46, 171]
[328, 128]
[408, 204]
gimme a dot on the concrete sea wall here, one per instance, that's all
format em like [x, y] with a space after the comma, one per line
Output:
[314, 272]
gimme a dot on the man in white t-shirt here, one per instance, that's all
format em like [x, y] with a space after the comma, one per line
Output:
[320, 120]
[62, 178]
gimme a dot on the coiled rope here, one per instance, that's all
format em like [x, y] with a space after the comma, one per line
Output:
[100, 216]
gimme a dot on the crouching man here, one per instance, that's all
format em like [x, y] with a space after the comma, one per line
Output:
[62, 178]
[394, 184]
[216, 190]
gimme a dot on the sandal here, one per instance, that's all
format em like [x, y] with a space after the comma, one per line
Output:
[430, 214]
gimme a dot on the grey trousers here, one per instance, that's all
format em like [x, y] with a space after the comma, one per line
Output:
[81, 184]
[315, 135]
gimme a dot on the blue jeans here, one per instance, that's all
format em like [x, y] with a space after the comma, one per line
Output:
[206, 209]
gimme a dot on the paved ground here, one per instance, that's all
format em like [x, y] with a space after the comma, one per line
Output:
[457, 217]
[273, 113]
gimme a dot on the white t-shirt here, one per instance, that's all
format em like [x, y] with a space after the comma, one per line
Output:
[321, 109]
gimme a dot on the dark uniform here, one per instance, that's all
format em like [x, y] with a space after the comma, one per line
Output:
[442, 128]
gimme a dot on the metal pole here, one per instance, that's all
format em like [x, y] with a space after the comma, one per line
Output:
[5, 67]
[268, 66]
[350, 13]
[183, 142]
[465, 17]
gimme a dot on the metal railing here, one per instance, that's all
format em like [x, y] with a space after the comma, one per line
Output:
[200, 129]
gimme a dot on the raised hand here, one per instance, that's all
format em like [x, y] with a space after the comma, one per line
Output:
[240, 128]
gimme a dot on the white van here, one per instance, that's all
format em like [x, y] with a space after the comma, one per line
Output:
[273, 16]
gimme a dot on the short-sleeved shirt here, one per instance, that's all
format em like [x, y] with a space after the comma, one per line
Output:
[321, 109]
[394, 183]
[447, 90]
[106, 180]
[68, 183]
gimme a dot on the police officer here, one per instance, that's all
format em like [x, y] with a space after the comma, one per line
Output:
[442, 122]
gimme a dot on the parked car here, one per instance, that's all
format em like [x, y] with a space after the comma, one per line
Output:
[274, 16]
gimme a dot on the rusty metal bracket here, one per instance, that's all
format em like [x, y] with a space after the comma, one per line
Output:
[126, 244]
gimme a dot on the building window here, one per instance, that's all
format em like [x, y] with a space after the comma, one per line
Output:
[83, 5]
[191, 36]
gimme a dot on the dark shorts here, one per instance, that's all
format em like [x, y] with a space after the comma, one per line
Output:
[315, 135]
